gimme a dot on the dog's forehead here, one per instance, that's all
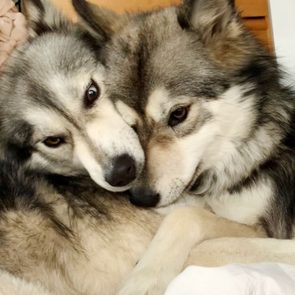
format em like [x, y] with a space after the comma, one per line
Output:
[56, 70]
[58, 52]
[153, 52]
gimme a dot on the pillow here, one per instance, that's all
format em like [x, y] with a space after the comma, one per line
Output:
[13, 30]
[232, 279]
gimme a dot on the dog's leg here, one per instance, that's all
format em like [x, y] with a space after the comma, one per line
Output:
[222, 251]
[168, 252]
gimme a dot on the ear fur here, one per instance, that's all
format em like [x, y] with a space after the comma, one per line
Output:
[220, 29]
[209, 17]
[43, 17]
[102, 23]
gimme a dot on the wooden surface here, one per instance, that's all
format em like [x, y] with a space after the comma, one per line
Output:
[255, 12]
[121, 6]
[257, 18]
[252, 8]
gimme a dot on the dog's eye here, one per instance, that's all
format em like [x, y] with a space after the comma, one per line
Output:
[178, 116]
[91, 95]
[53, 142]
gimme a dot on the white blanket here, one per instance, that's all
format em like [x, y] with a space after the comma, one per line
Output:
[235, 279]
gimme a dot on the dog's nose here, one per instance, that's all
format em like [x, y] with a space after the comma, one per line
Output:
[144, 197]
[123, 172]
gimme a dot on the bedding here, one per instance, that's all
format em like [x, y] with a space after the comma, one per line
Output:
[13, 31]
[235, 279]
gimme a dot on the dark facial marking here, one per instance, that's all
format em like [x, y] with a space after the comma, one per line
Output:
[18, 147]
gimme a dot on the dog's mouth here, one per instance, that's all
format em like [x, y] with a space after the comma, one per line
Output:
[194, 180]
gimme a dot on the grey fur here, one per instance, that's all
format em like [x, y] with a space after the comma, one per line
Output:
[201, 54]
[42, 95]
[57, 226]
[65, 232]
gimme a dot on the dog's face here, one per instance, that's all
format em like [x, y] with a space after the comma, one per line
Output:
[175, 74]
[186, 79]
[55, 115]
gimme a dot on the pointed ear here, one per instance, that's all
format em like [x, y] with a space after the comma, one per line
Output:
[220, 29]
[102, 23]
[42, 17]
[209, 17]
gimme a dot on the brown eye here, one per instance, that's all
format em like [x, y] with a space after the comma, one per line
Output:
[53, 142]
[91, 95]
[178, 116]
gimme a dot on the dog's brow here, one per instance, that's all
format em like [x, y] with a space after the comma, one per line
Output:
[45, 98]
[65, 114]
[128, 112]
[155, 104]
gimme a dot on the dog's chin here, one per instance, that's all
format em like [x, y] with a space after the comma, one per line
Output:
[184, 195]
[169, 203]
[184, 200]
[181, 198]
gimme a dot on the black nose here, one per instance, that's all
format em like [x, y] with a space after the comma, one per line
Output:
[123, 172]
[144, 197]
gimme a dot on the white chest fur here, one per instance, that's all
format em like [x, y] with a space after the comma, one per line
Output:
[246, 206]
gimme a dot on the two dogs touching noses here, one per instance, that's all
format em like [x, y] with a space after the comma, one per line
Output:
[180, 105]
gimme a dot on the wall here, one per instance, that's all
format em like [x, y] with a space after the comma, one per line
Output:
[283, 22]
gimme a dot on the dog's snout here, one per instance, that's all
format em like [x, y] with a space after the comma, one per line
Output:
[123, 171]
[144, 197]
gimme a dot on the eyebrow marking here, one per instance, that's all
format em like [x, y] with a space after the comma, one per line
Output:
[45, 97]
[156, 103]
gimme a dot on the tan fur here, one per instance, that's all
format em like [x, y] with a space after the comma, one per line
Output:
[10, 285]
[99, 254]
[224, 251]
[84, 252]
[168, 253]
[94, 254]
[91, 254]
[231, 53]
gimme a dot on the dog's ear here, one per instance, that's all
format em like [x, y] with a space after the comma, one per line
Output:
[211, 18]
[100, 22]
[220, 28]
[42, 16]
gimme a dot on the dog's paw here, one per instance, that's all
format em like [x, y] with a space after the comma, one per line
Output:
[145, 283]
